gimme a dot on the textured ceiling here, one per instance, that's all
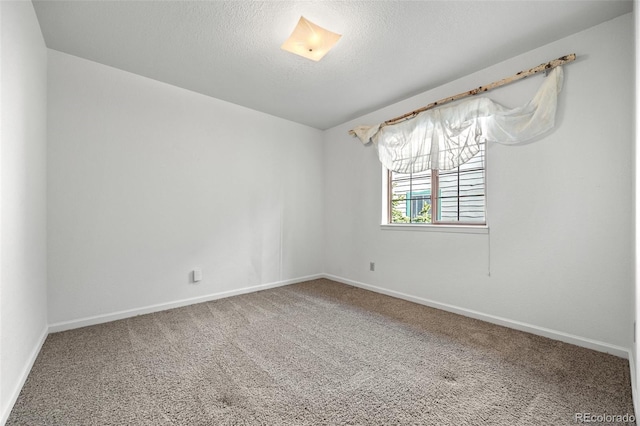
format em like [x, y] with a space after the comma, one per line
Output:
[389, 51]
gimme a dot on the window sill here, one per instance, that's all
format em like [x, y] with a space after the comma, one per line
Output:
[454, 229]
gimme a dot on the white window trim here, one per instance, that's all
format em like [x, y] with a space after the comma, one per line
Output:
[454, 229]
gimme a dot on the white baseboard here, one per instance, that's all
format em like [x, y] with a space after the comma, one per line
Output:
[99, 319]
[529, 328]
[23, 376]
[634, 381]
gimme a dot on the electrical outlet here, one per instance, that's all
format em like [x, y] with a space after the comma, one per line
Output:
[197, 275]
[372, 266]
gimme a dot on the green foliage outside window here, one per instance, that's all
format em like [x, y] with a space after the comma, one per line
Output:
[398, 217]
[425, 214]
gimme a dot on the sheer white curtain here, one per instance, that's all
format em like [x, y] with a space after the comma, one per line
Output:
[445, 137]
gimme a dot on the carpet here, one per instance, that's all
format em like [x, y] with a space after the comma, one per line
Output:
[315, 353]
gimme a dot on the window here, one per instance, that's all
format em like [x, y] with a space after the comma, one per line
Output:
[437, 197]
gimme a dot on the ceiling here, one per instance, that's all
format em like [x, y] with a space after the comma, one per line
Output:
[390, 50]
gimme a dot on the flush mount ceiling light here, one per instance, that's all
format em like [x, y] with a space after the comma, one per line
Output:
[310, 41]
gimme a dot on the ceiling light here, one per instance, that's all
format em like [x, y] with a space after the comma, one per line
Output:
[310, 40]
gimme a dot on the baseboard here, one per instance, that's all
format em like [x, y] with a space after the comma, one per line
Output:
[634, 390]
[99, 319]
[529, 328]
[23, 375]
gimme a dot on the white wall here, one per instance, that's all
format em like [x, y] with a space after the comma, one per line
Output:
[23, 121]
[148, 181]
[559, 209]
[636, 295]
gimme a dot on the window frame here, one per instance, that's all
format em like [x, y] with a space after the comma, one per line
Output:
[435, 189]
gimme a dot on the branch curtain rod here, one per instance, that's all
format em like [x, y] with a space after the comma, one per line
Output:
[548, 66]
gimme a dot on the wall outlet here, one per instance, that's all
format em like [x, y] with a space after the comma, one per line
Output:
[372, 266]
[197, 275]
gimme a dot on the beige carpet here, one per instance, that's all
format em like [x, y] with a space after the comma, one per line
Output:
[311, 354]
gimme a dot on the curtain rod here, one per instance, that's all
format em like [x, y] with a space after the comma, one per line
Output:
[548, 66]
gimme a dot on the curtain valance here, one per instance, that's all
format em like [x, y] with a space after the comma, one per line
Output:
[445, 137]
